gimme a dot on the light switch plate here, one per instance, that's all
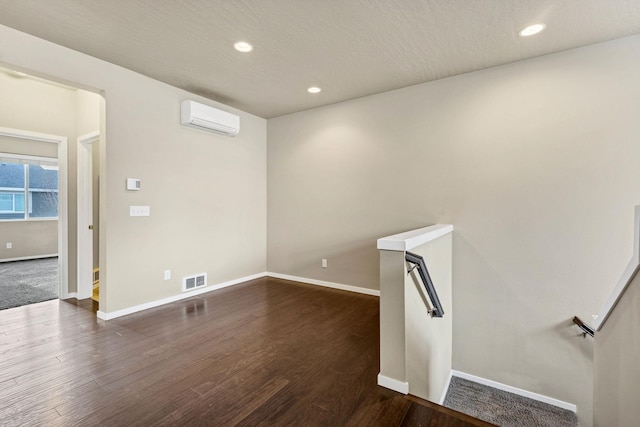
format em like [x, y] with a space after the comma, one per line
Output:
[139, 211]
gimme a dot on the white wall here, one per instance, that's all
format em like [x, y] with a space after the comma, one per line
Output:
[207, 193]
[535, 163]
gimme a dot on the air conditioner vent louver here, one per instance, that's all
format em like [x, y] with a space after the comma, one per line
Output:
[207, 118]
[194, 282]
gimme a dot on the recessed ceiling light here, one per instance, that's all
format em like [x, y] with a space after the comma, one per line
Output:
[531, 30]
[314, 89]
[243, 46]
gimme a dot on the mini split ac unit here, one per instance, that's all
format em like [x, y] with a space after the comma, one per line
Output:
[204, 117]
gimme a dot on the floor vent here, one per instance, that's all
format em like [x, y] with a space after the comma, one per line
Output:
[194, 282]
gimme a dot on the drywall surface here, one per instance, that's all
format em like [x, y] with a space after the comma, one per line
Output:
[616, 369]
[87, 112]
[29, 239]
[27, 147]
[206, 192]
[535, 165]
[392, 316]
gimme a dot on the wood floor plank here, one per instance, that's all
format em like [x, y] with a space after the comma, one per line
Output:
[266, 352]
[35, 419]
[385, 408]
[438, 416]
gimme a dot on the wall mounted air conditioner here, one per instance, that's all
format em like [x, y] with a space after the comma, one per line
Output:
[207, 118]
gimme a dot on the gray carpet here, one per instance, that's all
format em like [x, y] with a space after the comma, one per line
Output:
[503, 408]
[28, 282]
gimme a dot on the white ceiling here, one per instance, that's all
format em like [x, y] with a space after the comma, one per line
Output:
[350, 48]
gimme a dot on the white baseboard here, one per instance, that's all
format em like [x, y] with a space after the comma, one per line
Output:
[70, 295]
[392, 384]
[27, 258]
[333, 285]
[136, 308]
[515, 390]
[446, 389]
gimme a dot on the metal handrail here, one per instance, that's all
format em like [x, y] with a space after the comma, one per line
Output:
[418, 261]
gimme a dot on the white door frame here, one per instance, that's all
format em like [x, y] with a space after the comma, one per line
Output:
[85, 213]
[63, 226]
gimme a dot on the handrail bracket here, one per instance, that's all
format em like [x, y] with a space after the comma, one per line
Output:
[586, 329]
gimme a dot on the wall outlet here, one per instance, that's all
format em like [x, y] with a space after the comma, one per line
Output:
[167, 274]
[324, 263]
[9, 245]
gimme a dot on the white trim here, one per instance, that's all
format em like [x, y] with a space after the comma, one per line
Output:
[28, 157]
[34, 136]
[63, 225]
[89, 138]
[136, 308]
[392, 384]
[520, 392]
[332, 285]
[27, 258]
[84, 186]
[63, 220]
[71, 295]
[446, 389]
[627, 276]
[414, 238]
[31, 219]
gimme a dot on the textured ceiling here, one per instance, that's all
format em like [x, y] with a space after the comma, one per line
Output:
[350, 48]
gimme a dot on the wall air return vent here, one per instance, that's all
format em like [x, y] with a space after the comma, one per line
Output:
[194, 282]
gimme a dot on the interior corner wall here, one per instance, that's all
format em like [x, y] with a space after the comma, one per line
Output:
[206, 192]
[534, 163]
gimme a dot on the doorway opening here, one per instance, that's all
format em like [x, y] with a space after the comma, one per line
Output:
[33, 211]
[38, 242]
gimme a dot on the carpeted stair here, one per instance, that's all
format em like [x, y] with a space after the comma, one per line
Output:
[503, 408]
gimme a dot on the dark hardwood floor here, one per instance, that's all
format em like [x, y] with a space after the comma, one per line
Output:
[264, 353]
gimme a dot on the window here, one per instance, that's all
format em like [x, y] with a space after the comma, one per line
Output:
[11, 202]
[28, 189]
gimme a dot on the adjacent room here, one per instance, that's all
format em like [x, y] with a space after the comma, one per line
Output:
[247, 181]
[40, 120]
